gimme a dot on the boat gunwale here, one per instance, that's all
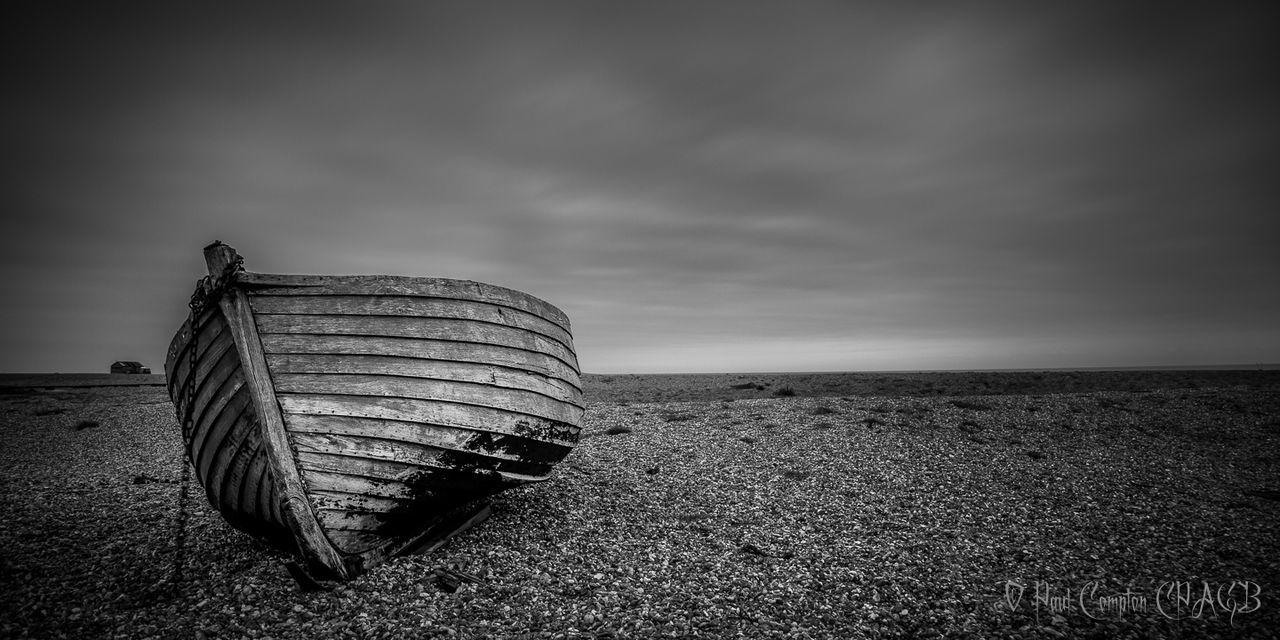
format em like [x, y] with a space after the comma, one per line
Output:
[311, 284]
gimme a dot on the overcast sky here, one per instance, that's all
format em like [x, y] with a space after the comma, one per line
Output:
[701, 187]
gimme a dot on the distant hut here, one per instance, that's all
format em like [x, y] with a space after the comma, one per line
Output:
[128, 366]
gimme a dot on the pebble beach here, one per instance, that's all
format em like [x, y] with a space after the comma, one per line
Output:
[958, 505]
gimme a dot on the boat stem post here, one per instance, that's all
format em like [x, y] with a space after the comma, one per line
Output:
[314, 545]
[218, 256]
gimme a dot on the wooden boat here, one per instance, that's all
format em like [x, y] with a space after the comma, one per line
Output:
[349, 419]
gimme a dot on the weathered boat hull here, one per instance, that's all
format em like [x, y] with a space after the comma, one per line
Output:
[350, 418]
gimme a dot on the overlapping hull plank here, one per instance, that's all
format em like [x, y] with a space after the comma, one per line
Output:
[422, 328]
[410, 307]
[515, 401]
[363, 415]
[482, 420]
[441, 350]
[478, 373]
[221, 432]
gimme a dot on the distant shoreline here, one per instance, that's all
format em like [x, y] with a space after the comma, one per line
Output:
[1263, 366]
[47, 380]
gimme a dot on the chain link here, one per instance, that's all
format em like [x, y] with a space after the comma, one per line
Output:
[180, 528]
[207, 293]
[193, 356]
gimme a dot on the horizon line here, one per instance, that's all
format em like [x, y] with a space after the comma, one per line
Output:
[1260, 366]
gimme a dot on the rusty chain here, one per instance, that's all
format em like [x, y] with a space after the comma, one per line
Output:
[207, 292]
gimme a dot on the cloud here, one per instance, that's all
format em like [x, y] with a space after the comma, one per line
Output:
[790, 184]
